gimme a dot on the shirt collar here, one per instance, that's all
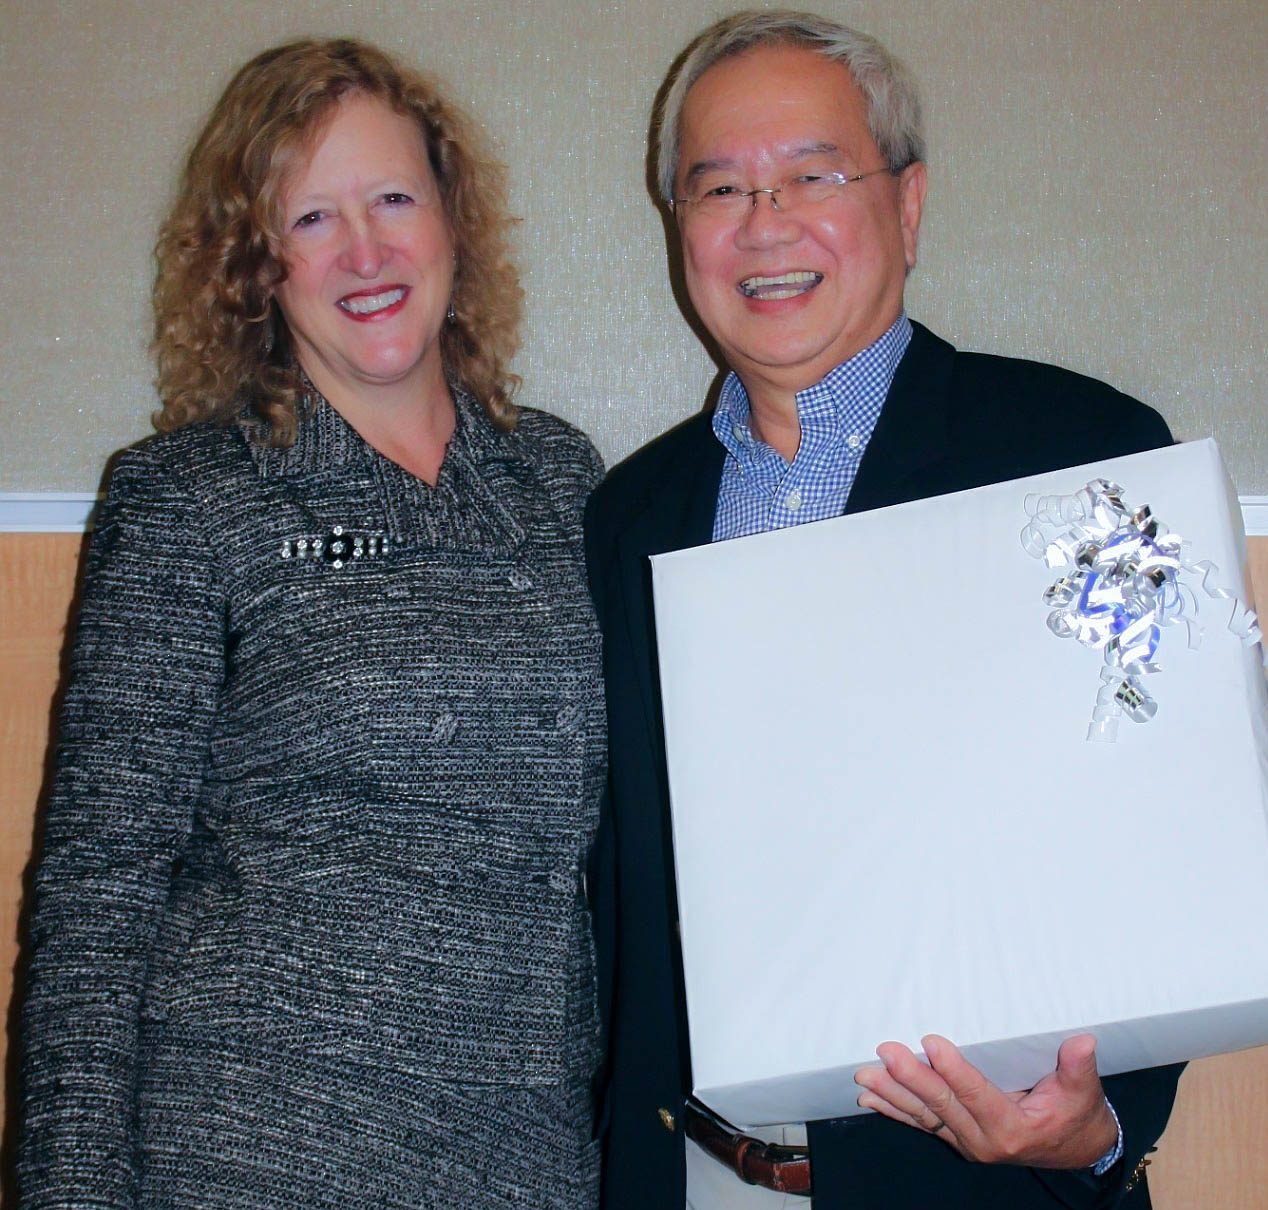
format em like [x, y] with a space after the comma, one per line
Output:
[847, 399]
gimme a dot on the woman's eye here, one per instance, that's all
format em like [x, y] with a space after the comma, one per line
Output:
[308, 220]
[397, 199]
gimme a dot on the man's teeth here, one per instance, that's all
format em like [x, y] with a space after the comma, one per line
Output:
[786, 285]
[368, 304]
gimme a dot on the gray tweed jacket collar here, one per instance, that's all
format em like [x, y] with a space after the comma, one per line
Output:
[325, 440]
[472, 505]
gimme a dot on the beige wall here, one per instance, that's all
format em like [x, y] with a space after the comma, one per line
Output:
[1098, 176]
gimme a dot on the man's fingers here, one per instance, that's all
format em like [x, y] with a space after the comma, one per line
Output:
[1062, 1122]
[969, 1086]
[984, 1104]
[887, 1096]
[938, 1129]
[1076, 1064]
[878, 1082]
[920, 1080]
[929, 1087]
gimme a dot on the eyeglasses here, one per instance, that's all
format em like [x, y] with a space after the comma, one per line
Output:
[728, 201]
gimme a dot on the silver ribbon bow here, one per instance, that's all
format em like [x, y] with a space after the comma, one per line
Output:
[1120, 586]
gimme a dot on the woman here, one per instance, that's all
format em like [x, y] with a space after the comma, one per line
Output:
[309, 926]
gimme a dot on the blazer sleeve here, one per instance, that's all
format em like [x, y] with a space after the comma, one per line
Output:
[1143, 1101]
[145, 670]
[570, 466]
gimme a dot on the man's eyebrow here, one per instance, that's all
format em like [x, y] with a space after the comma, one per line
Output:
[813, 149]
[700, 167]
[801, 152]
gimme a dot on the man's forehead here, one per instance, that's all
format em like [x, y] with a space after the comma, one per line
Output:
[766, 71]
[780, 102]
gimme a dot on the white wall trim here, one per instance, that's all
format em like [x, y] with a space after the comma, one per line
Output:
[70, 513]
[1255, 515]
[46, 512]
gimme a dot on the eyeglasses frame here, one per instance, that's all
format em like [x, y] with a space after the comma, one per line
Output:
[837, 178]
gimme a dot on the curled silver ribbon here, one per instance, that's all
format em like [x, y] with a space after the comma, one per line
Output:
[1120, 586]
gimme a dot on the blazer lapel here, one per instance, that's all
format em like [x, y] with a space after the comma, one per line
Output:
[679, 501]
[677, 512]
[911, 436]
[331, 468]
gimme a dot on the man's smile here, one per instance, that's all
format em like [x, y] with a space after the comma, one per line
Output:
[783, 285]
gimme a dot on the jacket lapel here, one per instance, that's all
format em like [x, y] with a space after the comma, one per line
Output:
[678, 504]
[677, 512]
[911, 436]
[332, 471]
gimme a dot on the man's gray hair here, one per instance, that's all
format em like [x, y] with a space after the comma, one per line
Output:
[893, 102]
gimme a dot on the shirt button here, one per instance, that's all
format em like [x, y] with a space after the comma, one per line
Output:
[854, 441]
[793, 500]
[738, 432]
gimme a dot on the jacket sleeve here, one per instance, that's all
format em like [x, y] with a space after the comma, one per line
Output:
[145, 670]
[1143, 1101]
[572, 469]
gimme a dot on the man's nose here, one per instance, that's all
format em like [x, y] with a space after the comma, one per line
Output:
[765, 222]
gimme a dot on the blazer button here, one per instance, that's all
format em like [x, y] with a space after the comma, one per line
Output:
[443, 728]
[666, 1119]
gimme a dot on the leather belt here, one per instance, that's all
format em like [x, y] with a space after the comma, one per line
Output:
[771, 1165]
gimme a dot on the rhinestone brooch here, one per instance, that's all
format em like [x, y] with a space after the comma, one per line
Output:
[338, 547]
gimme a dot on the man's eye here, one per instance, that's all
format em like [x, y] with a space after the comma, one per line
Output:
[722, 191]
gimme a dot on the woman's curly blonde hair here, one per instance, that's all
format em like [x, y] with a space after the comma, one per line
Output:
[220, 341]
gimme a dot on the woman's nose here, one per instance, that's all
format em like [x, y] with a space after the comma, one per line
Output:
[365, 251]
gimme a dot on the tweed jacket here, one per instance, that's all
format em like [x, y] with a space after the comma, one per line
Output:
[339, 806]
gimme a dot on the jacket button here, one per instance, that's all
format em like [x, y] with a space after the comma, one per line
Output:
[666, 1118]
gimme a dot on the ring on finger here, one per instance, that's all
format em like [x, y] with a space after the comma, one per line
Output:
[938, 1124]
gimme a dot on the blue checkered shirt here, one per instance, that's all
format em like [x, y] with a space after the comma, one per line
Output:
[759, 489]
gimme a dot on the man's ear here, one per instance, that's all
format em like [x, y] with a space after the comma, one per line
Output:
[912, 184]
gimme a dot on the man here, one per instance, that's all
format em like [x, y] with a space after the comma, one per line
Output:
[792, 159]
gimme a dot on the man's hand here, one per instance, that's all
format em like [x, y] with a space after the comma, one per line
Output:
[1063, 1122]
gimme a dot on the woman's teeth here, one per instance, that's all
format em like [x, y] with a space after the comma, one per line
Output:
[785, 285]
[368, 304]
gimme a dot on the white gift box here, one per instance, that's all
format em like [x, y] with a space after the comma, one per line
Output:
[888, 819]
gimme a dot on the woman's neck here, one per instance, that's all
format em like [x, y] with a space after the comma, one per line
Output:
[410, 423]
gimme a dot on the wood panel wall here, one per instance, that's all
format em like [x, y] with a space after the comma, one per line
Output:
[38, 574]
[1213, 1154]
